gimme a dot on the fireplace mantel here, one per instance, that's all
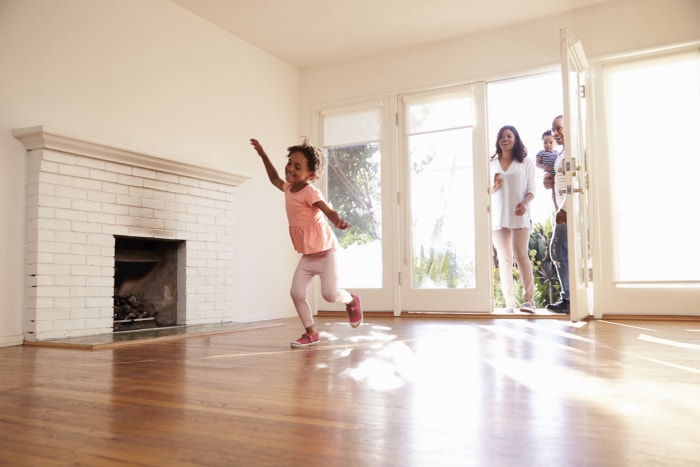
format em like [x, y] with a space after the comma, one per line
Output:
[43, 137]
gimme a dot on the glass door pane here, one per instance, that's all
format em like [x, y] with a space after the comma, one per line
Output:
[354, 189]
[648, 146]
[647, 191]
[442, 209]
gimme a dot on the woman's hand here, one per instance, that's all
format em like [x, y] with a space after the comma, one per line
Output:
[497, 182]
[520, 209]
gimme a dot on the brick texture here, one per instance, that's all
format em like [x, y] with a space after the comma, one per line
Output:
[76, 204]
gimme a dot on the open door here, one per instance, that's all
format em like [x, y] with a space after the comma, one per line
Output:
[574, 79]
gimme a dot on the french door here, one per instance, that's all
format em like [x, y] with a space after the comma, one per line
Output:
[445, 249]
[411, 177]
[576, 166]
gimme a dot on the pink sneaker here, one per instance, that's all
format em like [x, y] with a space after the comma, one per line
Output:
[306, 340]
[355, 312]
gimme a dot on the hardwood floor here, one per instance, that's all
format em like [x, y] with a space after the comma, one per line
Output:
[394, 392]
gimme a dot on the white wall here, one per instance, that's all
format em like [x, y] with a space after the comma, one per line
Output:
[614, 27]
[148, 75]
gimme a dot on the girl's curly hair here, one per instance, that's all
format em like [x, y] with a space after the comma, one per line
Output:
[315, 156]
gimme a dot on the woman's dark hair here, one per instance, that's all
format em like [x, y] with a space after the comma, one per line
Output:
[315, 156]
[519, 149]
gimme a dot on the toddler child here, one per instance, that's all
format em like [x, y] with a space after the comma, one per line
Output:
[546, 157]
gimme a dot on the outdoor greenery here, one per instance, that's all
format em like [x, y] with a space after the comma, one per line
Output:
[440, 267]
[354, 188]
[547, 285]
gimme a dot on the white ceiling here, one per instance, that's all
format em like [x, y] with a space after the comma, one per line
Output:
[305, 33]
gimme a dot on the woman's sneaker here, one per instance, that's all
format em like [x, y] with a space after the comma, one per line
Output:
[355, 311]
[528, 307]
[306, 340]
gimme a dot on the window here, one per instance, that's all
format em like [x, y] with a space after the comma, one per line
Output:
[352, 141]
[653, 111]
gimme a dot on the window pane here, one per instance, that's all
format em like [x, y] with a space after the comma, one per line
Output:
[354, 190]
[352, 127]
[438, 112]
[653, 107]
[442, 203]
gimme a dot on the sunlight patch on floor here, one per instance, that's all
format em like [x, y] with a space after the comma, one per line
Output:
[626, 325]
[541, 341]
[669, 342]
[557, 332]
[391, 367]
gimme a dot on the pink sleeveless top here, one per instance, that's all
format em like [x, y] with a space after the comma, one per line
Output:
[308, 227]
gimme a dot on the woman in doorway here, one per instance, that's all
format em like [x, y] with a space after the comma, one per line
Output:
[513, 188]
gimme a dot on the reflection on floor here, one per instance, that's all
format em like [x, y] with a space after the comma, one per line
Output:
[102, 341]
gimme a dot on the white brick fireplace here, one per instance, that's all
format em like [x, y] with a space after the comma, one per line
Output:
[82, 193]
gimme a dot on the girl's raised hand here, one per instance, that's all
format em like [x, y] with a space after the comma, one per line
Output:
[257, 146]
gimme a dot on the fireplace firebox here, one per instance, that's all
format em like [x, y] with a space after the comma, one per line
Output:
[145, 282]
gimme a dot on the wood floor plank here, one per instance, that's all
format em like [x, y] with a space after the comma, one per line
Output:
[394, 392]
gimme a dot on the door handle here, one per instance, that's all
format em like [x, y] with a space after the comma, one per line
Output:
[569, 190]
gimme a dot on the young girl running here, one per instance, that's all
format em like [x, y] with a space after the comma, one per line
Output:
[310, 234]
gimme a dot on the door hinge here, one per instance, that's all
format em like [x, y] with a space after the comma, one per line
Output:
[399, 278]
[396, 118]
[582, 91]
[398, 197]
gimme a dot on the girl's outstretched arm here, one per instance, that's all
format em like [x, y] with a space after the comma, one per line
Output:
[332, 215]
[269, 168]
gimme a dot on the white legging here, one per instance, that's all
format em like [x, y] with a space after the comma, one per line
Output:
[507, 242]
[319, 264]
